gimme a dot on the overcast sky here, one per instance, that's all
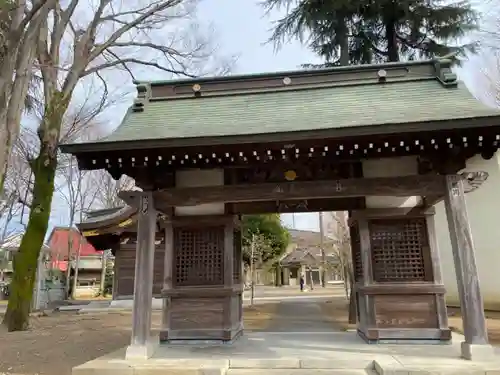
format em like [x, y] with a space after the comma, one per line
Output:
[241, 29]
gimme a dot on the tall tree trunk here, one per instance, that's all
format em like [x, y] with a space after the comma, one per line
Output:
[390, 33]
[344, 46]
[77, 268]
[103, 273]
[15, 77]
[26, 259]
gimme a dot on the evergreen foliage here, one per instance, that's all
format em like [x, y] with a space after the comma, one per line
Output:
[372, 31]
[270, 229]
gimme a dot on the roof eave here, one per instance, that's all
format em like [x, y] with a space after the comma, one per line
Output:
[124, 213]
[380, 129]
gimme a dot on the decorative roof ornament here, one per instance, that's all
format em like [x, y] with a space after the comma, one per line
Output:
[473, 179]
[382, 75]
[143, 96]
[443, 71]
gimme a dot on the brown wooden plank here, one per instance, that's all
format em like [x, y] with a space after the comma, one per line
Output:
[397, 334]
[203, 291]
[196, 313]
[399, 288]
[406, 311]
[376, 213]
[356, 187]
[297, 206]
[125, 271]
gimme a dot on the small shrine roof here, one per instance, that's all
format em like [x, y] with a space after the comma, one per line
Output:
[184, 112]
[107, 220]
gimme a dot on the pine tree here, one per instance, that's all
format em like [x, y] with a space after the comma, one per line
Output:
[371, 31]
[322, 25]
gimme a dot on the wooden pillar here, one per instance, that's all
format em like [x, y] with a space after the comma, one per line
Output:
[437, 273]
[476, 344]
[168, 270]
[228, 276]
[365, 303]
[141, 344]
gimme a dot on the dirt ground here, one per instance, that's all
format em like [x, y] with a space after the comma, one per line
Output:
[492, 323]
[60, 341]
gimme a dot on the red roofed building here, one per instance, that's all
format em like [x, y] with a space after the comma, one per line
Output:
[60, 241]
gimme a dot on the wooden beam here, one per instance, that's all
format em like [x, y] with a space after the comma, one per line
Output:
[378, 213]
[356, 187]
[297, 206]
[471, 302]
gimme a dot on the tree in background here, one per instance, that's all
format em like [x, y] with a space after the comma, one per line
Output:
[75, 187]
[373, 31]
[269, 229]
[4, 262]
[80, 41]
[107, 189]
[108, 277]
[338, 230]
[20, 23]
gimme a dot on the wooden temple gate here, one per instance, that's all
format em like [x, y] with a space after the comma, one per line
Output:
[206, 151]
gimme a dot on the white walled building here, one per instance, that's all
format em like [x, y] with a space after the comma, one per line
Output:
[483, 207]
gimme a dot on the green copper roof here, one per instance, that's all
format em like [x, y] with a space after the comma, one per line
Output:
[313, 109]
[355, 99]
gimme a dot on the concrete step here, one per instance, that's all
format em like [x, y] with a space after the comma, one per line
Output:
[302, 371]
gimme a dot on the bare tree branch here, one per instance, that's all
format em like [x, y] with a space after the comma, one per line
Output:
[135, 61]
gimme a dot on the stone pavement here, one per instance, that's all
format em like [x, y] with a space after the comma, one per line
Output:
[299, 340]
[294, 353]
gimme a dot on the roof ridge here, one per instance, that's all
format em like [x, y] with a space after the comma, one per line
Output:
[258, 92]
[336, 69]
[165, 128]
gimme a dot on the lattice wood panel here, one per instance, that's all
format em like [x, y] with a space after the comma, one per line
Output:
[356, 253]
[199, 256]
[237, 258]
[398, 247]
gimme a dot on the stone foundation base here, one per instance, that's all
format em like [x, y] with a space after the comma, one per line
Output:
[142, 352]
[156, 303]
[200, 337]
[413, 337]
[477, 352]
[297, 353]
